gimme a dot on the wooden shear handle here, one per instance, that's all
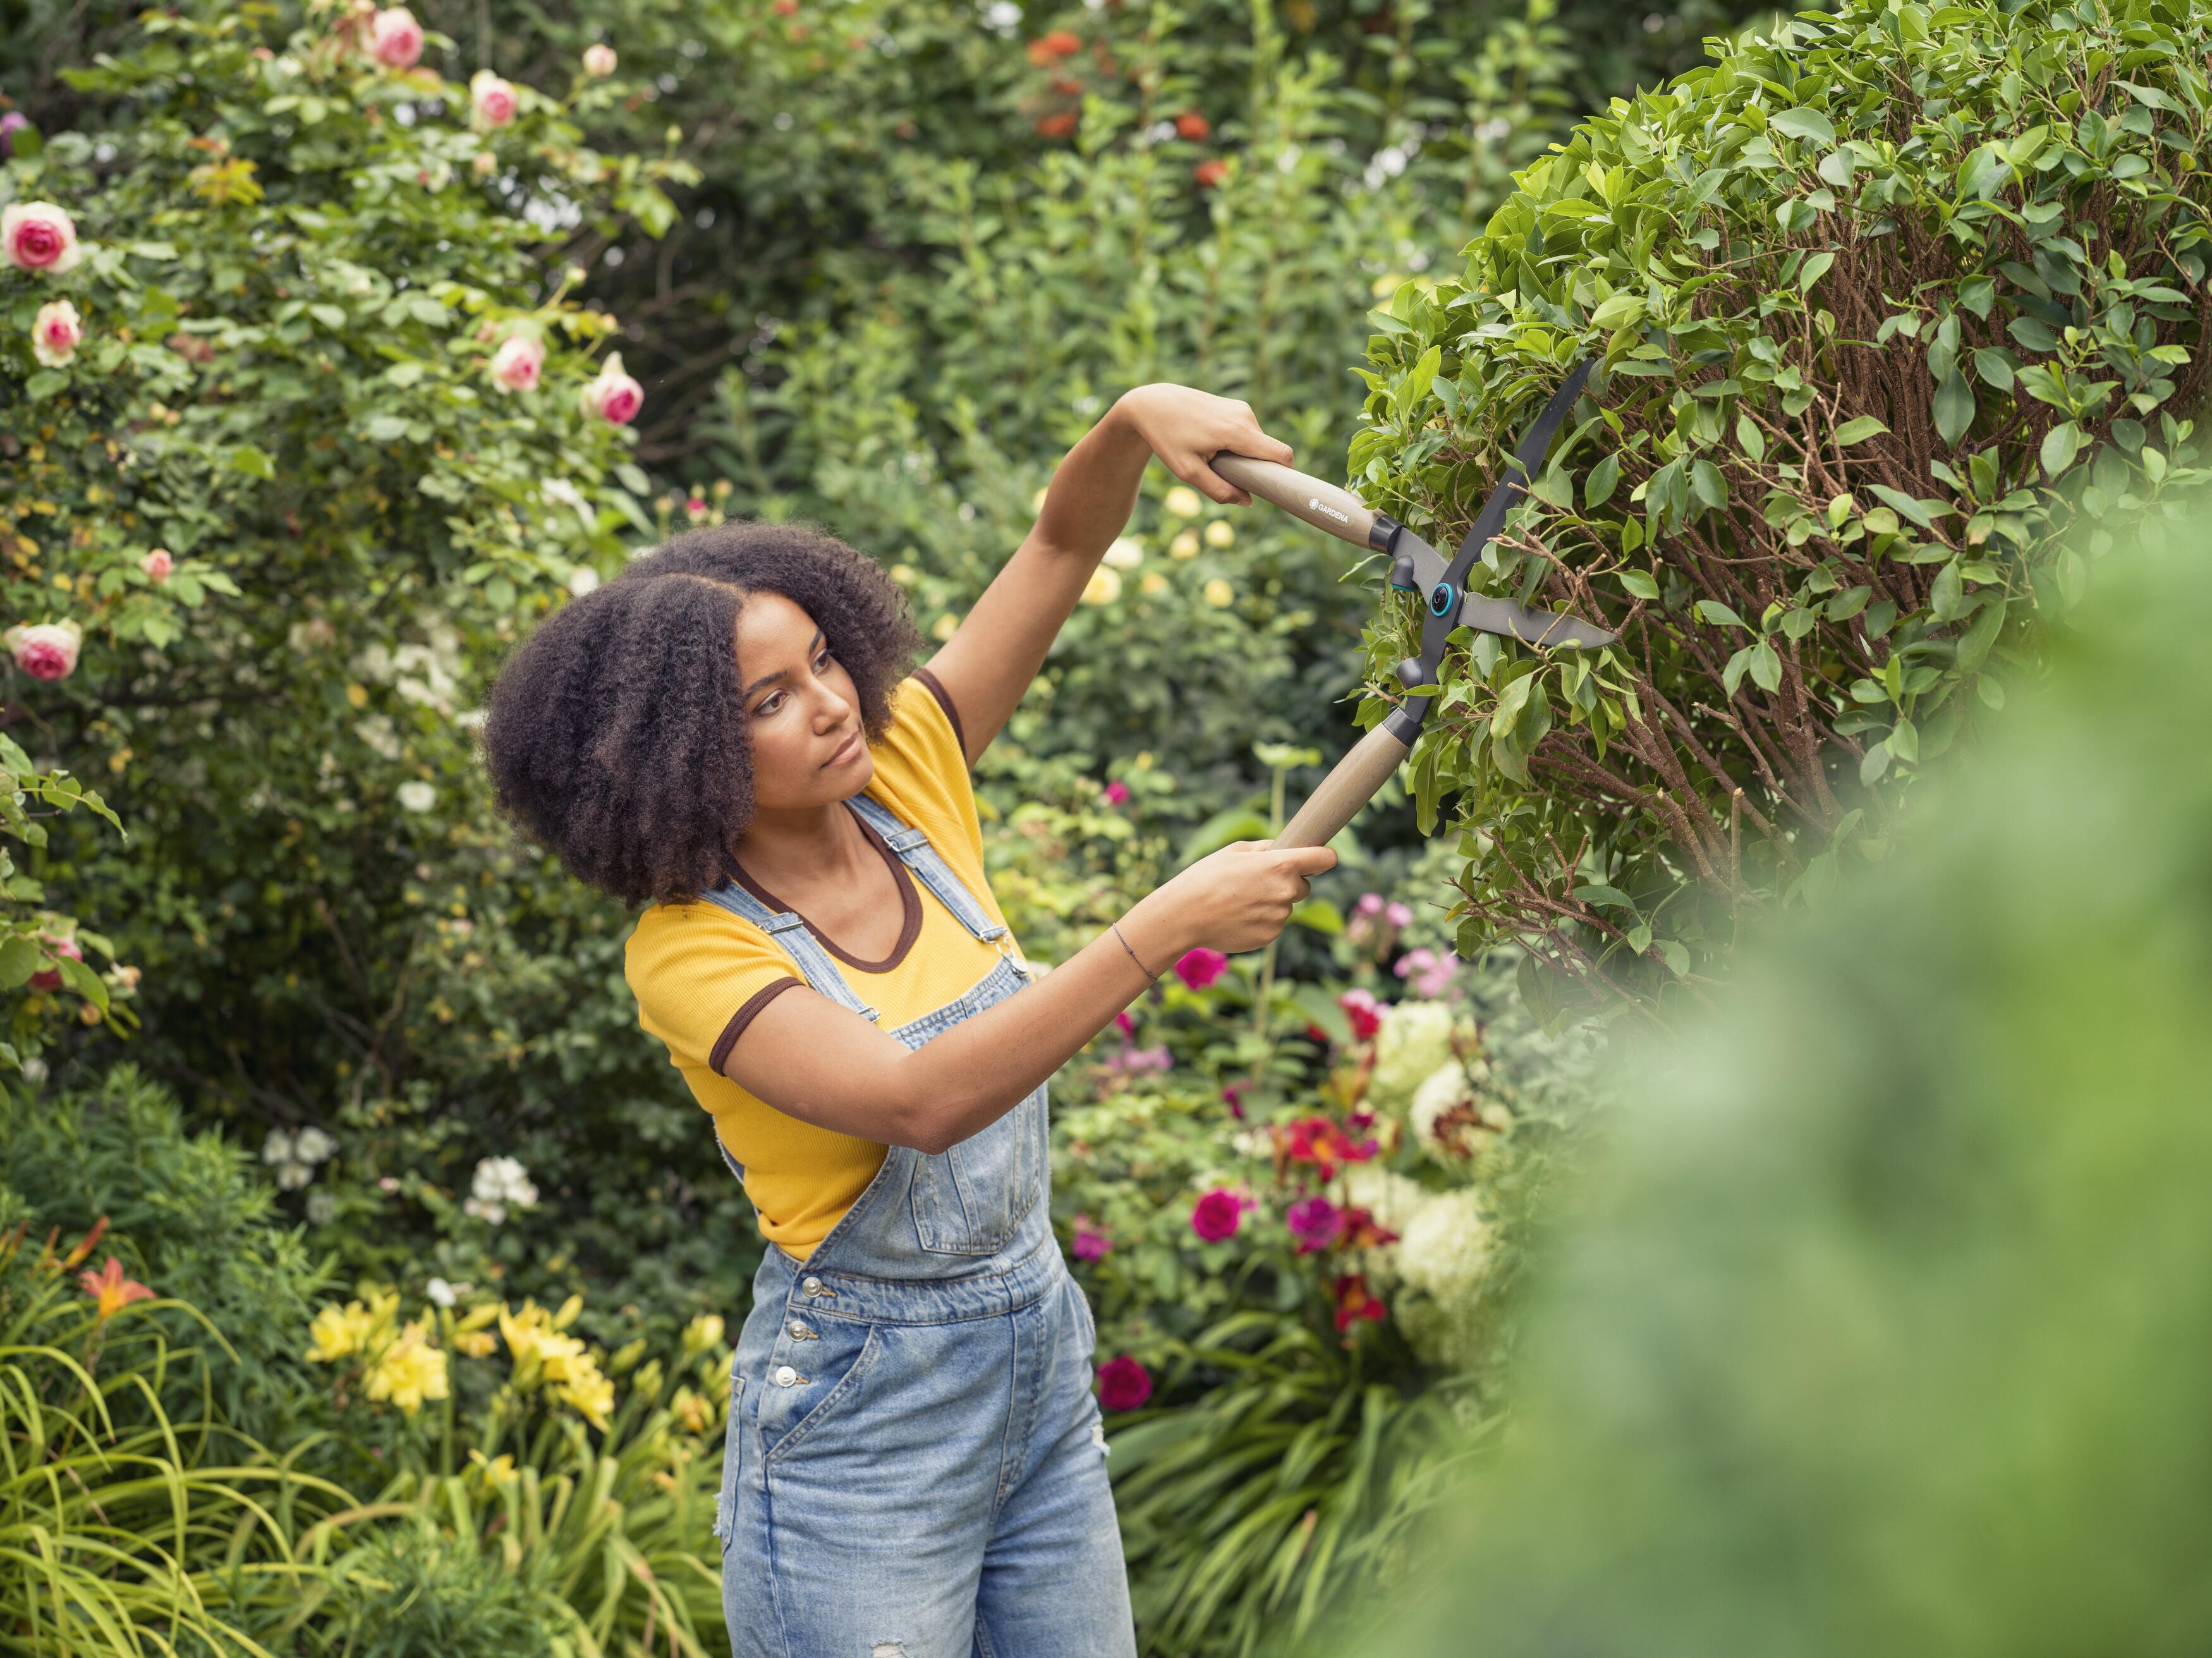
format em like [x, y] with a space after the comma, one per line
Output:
[1324, 506]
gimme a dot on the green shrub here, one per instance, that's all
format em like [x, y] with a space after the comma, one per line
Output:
[1881, 303]
[1887, 1327]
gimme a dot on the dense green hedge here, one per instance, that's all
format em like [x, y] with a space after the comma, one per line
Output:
[1880, 302]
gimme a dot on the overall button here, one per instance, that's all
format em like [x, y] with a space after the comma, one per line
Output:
[811, 1285]
[799, 1331]
[785, 1376]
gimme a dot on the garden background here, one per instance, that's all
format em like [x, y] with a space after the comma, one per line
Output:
[365, 1287]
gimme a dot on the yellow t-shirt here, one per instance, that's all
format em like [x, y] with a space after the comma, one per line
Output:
[700, 974]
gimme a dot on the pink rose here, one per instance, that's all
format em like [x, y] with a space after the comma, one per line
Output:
[47, 651]
[493, 99]
[614, 397]
[1124, 1023]
[157, 565]
[1217, 1215]
[1123, 1384]
[39, 236]
[1370, 903]
[1200, 968]
[395, 38]
[1117, 793]
[50, 978]
[1399, 916]
[598, 59]
[514, 366]
[56, 333]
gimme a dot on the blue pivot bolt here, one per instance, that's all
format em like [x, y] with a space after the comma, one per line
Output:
[1441, 598]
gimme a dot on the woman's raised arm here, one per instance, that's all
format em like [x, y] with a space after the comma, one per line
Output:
[987, 665]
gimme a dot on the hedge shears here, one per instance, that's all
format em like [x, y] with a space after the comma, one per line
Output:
[1415, 568]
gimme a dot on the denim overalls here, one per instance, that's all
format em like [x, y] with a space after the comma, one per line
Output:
[915, 1467]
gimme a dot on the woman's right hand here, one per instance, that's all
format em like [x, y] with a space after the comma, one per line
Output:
[1240, 897]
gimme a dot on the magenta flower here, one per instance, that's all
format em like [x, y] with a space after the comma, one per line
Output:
[1200, 968]
[1428, 973]
[1117, 792]
[1364, 1011]
[1124, 1023]
[1399, 916]
[1123, 1384]
[1217, 1215]
[1140, 1058]
[1091, 1243]
[1315, 1222]
[1234, 1093]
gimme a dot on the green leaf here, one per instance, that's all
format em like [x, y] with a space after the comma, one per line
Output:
[1750, 439]
[1947, 593]
[1813, 270]
[1955, 407]
[1766, 666]
[19, 960]
[1707, 487]
[1320, 914]
[1994, 366]
[2060, 446]
[253, 461]
[1621, 311]
[2033, 334]
[1981, 633]
[1985, 172]
[1638, 584]
[2150, 95]
[1809, 125]
[1923, 512]
[1603, 479]
[1414, 395]
[1720, 615]
[1859, 430]
[44, 384]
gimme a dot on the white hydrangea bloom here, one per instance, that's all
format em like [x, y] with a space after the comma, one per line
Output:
[501, 1183]
[313, 1145]
[1414, 1041]
[1446, 1249]
[417, 795]
[379, 733]
[1390, 1197]
[281, 1151]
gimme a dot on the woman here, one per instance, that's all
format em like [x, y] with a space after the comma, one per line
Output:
[914, 1463]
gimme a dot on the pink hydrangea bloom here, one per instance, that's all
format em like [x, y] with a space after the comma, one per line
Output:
[1370, 903]
[1217, 1215]
[39, 236]
[395, 38]
[1200, 967]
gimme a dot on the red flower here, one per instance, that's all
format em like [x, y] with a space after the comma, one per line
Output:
[1234, 1093]
[112, 1289]
[49, 978]
[1123, 1384]
[1194, 126]
[1217, 1215]
[787, 8]
[1066, 85]
[1057, 126]
[1200, 968]
[1354, 1300]
[1317, 1140]
[1364, 1012]
[1049, 49]
[1315, 1034]
[1210, 173]
[1117, 792]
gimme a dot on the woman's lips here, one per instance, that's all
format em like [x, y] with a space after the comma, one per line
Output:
[846, 751]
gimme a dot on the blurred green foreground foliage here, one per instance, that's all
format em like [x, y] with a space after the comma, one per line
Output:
[1888, 1326]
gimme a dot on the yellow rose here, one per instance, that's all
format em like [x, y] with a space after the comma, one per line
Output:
[904, 574]
[1153, 583]
[947, 625]
[1185, 503]
[1220, 593]
[1184, 545]
[1219, 534]
[1125, 553]
[1104, 588]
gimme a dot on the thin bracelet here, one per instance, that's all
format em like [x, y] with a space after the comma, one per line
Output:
[1151, 977]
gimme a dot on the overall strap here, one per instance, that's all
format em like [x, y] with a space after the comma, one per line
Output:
[790, 934]
[931, 871]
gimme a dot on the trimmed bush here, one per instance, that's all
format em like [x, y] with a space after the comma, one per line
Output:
[1882, 302]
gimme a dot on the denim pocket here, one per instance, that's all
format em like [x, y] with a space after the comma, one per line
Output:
[726, 1499]
[971, 1199]
[836, 1362]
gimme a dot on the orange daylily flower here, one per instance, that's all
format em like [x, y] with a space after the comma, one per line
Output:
[112, 1289]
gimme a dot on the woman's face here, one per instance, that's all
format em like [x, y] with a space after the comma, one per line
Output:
[800, 708]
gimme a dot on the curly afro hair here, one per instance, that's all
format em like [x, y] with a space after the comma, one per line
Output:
[613, 735]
